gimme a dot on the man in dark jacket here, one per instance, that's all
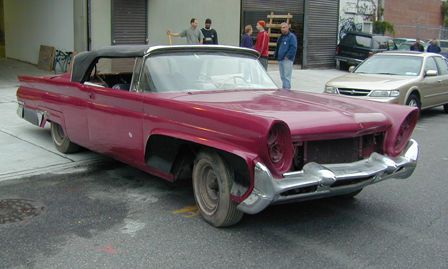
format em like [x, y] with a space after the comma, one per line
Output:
[433, 47]
[285, 53]
[417, 46]
[210, 35]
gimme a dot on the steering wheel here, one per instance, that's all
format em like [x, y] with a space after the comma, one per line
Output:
[100, 79]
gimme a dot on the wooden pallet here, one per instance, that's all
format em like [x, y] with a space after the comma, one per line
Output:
[274, 31]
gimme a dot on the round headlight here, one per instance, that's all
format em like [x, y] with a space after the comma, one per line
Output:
[405, 131]
[279, 147]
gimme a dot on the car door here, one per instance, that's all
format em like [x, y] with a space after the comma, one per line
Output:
[442, 93]
[431, 85]
[115, 122]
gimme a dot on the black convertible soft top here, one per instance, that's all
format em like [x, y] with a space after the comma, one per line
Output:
[84, 60]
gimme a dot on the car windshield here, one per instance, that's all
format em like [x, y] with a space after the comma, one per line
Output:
[204, 71]
[400, 65]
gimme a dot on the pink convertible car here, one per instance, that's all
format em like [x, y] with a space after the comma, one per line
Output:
[213, 115]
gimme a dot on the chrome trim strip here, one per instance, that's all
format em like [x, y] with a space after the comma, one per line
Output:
[327, 179]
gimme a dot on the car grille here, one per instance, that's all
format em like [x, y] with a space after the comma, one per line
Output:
[353, 92]
[338, 150]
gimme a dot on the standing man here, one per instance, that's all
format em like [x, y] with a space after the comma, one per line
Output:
[262, 44]
[433, 47]
[210, 35]
[246, 40]
[417, 46]
[193, 34]
[285, 54]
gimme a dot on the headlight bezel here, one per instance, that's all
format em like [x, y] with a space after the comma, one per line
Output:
[384, 93]
[331, 90]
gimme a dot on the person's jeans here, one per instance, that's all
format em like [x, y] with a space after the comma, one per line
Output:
[264, 62]
[285, 67]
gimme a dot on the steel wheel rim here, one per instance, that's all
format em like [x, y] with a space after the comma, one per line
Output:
[208, 190]
[58, 135]
[413, 103]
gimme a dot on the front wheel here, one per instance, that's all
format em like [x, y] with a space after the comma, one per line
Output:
[414, 101]
[61, 140]
[212, 181]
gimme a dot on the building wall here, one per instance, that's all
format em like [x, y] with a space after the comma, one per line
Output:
[31, 23]
[414, 18]
[101, 23]
[356, 15]
[175, 15]
[2, 31]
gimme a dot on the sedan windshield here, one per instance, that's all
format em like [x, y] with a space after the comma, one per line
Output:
[400, 65]
[202, 71]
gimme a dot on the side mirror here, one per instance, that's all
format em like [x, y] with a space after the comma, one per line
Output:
[431, 73]
[351, 69]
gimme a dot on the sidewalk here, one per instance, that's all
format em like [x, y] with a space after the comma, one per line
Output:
[27, 150]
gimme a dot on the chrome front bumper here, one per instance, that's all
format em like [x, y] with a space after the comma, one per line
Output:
[319, 181]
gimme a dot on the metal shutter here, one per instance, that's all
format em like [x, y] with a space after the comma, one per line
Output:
[129, 22]
[255, 10]
[291, 6]
[320, 31]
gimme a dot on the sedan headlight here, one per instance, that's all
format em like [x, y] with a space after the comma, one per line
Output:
[331, 90]
[384, 93]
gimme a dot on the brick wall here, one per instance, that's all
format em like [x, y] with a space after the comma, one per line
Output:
[414, 18]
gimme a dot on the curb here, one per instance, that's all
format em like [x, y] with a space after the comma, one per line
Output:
[65, 168]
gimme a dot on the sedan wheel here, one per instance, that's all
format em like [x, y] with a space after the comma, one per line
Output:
[61, 140]
[413, 101]
[212, 181]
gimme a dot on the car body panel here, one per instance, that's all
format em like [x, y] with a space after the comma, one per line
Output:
[122, 124]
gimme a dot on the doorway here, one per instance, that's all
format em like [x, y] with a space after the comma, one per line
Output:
[2, 31]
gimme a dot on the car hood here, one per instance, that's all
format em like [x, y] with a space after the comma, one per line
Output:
[371, 81]
[306, 114]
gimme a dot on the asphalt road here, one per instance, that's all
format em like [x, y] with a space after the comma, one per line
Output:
[113, 216]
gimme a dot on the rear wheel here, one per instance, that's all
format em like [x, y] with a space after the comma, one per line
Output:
[61, 140]
[414, 101]
[343, 66]
[212, 181]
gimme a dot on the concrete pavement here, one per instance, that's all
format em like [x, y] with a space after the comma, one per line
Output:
[27, 150]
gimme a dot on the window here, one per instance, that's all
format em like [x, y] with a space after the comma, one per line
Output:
[135, 87]
[113, 73]
[430, 64]
[363, 41]
[443, 65]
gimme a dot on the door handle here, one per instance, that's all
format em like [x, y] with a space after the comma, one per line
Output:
[91, 95]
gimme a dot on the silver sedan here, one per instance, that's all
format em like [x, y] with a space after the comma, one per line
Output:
[407, 78]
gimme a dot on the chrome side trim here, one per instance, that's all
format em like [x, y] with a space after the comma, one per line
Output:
[327, 180]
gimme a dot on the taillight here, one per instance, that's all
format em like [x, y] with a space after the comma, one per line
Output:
[338, 50]
[405, 131]
[280, 149]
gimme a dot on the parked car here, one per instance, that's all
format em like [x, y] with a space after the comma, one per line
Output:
[406, 46]
[212, 113]
[400, 40]
[355, 47]
[408, 78]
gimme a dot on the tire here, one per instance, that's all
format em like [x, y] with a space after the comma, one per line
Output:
[343, 66]
[212, 182]
[445, 108]
[414, 101]
[350, 195]
[61, 140]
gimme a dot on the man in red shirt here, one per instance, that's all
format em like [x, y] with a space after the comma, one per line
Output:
[262, 44]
